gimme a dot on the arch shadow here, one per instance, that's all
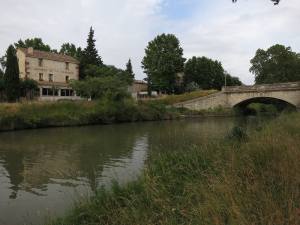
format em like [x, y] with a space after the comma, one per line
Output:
[279, 104]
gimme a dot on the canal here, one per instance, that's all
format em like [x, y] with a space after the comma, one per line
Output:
[43, 172]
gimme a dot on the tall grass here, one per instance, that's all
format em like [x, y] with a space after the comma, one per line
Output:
[47, 114]
[256, 182]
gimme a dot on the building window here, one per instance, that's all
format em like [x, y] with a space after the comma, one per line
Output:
[41, 77]
[67, 79]
[50, 77]
[40, 62]
[49, 92]
[67, 66]
[66, 92]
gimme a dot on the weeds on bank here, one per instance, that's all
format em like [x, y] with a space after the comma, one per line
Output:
[238, 183]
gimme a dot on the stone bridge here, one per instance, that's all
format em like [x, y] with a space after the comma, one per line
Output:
[240, 96]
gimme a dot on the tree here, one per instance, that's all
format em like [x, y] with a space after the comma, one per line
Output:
[207, 74]
[232, 81]
[129, 70]
[11, 75]
[162, 62]
[276, 2]
[90, 55]
[28, 87]
[36, 43]
[276, 64]
[71, 50]
[108, 87]
[108, 71]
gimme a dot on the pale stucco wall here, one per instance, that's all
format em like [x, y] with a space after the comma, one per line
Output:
[21, 61]
[58, 69]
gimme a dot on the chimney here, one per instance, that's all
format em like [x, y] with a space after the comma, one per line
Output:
[30, 50]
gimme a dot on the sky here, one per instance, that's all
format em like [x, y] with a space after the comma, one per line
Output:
[218, 29]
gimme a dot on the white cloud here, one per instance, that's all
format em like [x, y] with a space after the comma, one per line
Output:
[228, 32]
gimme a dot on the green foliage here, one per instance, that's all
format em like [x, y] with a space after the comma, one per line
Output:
[129, 70]
[89, 55]
[36, 43]
[232, 81]
[106, 71]
[276, 64]
[28, 88]
[71, 50]
[220, 183]
[207, 73]
[108, 109]
[162, 62]
[110, 87]
[11, 76]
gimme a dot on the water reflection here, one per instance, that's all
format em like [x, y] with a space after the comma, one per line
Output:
[43, 171]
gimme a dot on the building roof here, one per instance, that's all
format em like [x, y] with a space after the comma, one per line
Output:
[49, 56]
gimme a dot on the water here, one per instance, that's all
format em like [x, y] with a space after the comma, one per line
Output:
[42, 172]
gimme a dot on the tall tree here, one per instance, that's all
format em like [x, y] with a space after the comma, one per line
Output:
[129, 70]
[11, 76]
[71, 50]
[90, 55]
[207, 74]
[276, 64]
[36, 43]
[163, 62]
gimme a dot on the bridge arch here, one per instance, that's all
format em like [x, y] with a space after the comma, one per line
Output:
[279, 103]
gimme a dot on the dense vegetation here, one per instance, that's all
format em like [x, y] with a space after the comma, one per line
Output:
[276, 64]
[163, 62]
[166, 71]
[46, 114]
[239, 183]
[207, 74]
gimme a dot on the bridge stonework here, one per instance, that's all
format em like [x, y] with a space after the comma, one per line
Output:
[230, 97]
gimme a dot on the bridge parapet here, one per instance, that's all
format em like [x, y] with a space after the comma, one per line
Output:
[263, 87]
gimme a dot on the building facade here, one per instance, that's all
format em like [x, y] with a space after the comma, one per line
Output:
[52, 72]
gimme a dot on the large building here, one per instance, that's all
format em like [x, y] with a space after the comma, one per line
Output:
[52, 72]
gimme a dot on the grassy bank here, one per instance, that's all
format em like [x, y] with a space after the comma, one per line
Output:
[172, 99]
[47, 114]
[254, 182]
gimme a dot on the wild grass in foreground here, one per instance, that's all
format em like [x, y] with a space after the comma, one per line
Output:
[255, 182]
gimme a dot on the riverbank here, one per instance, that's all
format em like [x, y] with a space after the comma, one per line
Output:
[245, 179]
[60, 114]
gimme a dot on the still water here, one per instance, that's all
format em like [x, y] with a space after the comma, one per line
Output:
[42, 172]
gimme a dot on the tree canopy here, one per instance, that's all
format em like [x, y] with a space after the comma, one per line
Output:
[109, 87]
[108, 71]
[71, 50]
[163, 62]
[276, 64]
[207, 74]
[89, 55]
[36, 43]
[11, 75]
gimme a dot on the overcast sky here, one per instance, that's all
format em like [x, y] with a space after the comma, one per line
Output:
[230, 33]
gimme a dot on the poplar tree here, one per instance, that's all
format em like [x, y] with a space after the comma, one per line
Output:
[11, 75]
